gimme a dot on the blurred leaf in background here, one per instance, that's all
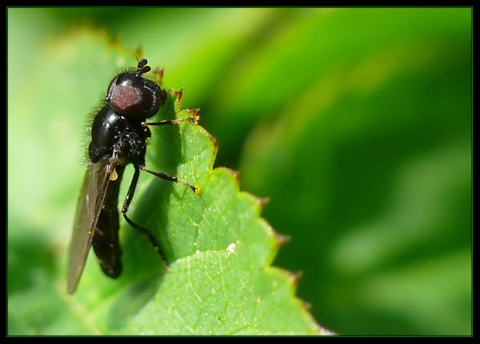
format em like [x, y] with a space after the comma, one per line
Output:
[355, 123]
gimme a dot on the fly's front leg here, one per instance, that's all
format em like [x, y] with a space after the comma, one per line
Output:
[192, 119]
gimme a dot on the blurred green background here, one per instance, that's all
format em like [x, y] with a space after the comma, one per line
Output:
[356, 123]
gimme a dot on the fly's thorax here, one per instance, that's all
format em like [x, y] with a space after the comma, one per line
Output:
[117, 136]
[132, 144]
[107, 128]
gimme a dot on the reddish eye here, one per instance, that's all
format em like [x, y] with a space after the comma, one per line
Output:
[133, 96]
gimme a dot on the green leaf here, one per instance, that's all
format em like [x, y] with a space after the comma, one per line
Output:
[219, 250]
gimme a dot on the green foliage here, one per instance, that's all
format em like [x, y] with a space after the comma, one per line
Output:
[355, 123]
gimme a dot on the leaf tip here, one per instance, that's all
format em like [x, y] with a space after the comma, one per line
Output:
[294, 278]
[178, 98]
[280, 239]
[157, 75]
[306, 305]
[261, 201]
[233, 173]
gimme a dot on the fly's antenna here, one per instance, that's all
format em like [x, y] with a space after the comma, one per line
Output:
[142, 67]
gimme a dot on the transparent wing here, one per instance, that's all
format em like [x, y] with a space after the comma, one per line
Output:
[89, 206]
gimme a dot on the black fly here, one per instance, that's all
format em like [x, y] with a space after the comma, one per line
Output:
[119, 133]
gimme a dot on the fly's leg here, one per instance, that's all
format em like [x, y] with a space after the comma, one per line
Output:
[128, 200]
[146, 232]
[193, 119]
[171, 178]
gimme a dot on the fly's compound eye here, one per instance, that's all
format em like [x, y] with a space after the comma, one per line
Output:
[133, 96]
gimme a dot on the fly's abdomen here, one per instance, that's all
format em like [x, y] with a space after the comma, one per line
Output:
[106, 243]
